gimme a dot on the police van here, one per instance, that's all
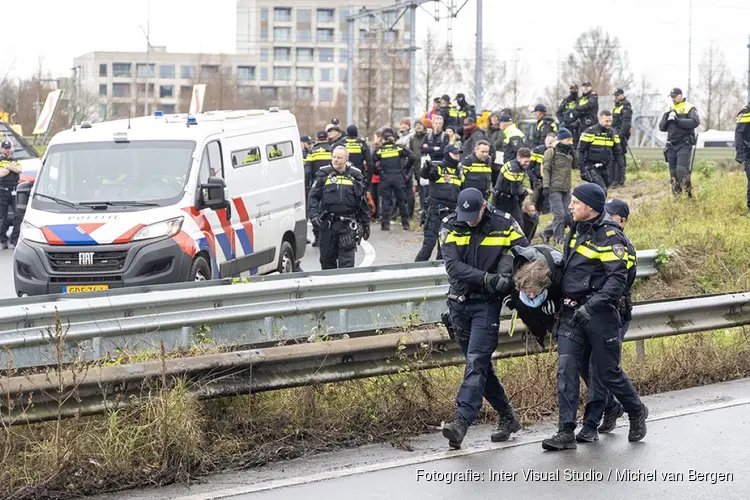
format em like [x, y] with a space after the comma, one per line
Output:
[163, 199]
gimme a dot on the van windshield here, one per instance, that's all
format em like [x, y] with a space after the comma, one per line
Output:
[138, 173]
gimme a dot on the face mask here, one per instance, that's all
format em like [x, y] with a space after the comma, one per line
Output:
[535, 302]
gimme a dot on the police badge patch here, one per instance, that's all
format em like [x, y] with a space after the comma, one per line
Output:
[334, 179]
[443, 235]
[619, 251]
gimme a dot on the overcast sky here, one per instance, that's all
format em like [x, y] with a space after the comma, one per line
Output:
[654, 32]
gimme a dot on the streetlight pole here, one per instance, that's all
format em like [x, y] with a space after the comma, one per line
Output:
[147, 33]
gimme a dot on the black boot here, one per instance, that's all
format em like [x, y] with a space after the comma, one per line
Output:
[507, 424]
[385, 225]
[587, 435]
[454, 432]
[405, 224]
[562, 440]
[638, 424]
[610, 418]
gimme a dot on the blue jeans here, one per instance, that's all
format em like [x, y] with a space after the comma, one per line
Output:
[477, 327]
[602, 335]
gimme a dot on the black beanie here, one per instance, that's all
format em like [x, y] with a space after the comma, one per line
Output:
[592, 195]
[352, 131]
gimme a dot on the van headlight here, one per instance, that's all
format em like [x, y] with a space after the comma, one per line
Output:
[31, 233]
[160, 229]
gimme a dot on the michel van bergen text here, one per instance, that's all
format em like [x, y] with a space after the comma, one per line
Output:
[572, 475]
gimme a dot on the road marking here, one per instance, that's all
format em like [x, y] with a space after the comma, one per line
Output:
[369, 254]
[532, 438]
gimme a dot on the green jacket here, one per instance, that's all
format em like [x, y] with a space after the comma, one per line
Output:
[557, 167]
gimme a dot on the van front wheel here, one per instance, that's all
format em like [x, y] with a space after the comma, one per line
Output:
[287, 258]
[200, 270]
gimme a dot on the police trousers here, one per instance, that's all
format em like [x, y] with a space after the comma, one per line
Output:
[512, 206]
[599, 176]
[392, 186]
[431, 231]
[477, 326]
[747, 174]
[602, 334]
[598, 398]
[679, 157]
[338, 244]
[558, 203]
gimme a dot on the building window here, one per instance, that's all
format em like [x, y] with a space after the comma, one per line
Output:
[142, 90]
[120, 90]
[304, 93]
[103, 89]
[263, 74]
[269, 92]
[166, 91]
[304, 15]
[168, 109]
[103, 111]
[245, 73]
[187, 71]
[342, 74]
[304, 55]
[264, 54]
[304, 35]
[389, 36]
[282, 74]
[121, 69]
[166, 71]
[282, 34]
[325, 15]
[325, 55]
[144, 71]
[264, 14]
[343, 55]
[325, 34]
[282, 14]
[282, 54]
[209, 70]
[102, 70]
[326, 95]
[279, 150]
[326, 75]
[264, 33]
[304, 74]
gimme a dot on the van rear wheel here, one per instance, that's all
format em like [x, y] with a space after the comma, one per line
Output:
[200, 270]
[287, 258]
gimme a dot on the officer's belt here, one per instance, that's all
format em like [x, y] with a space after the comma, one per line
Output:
[463, 297]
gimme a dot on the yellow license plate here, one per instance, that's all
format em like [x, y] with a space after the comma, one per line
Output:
[84, 288]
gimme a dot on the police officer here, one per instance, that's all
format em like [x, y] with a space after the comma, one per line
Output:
[598, 397]
[535, 172]
[359, 152]
[10, 171]
[465, 110]
[306, 144]
[680, 122]
[566, 113]
[393, 163]
[742, 144]
[477, 169]
[545, 125]
[335, 137]
[474, 240]
[622, 120]
[338, 208]
[587, 106]
[509, 190]
[595, 278]
[319, 157]
[445, 183]
[513, 138]
[598, 148]
[449, 113]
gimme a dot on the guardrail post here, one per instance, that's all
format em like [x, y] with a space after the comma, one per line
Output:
[640, 351]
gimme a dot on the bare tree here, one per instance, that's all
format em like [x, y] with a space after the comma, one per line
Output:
[598, 57]
[78, 104]
[431, 72]
[370, 99]
[716, 90]
[494, 79]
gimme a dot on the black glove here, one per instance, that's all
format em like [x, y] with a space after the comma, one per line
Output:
[316, 221]
[546, 192]
[509, 303]
[581, 316]
[498, 283]
[366, 231]
[549, 308]
[739, 159]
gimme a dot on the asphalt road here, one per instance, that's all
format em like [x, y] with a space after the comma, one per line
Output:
[698, 447]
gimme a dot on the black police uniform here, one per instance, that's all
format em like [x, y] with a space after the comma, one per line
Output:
[535, 168]
[598, 399]
[680, 141]
[450, 118]
[567, 117]
[509, 190]
[477, 174]
[742, 144]
[472, 256]
[622, 118]
[393, 163]
[544, 127]
[586, 109]
[432, 141]
[359, 156]
[445, 184]
[337, 204]
[513, 140]
[595, 278]
[320, 155]
[8, 186]
[597, 149]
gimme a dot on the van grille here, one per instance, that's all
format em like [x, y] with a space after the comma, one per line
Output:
[66, 262]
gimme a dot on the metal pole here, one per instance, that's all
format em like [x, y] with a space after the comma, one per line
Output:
[478, 76]
[412, 59]
[690, 48]
[350, 70]
[148, 48]
[748, 71]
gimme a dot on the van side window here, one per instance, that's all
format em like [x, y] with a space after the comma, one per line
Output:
[214, 156]
[245, 157]
[280, 150]
[205, 171]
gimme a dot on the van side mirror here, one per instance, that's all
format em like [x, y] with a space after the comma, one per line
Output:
[213, 194]
[23, 191]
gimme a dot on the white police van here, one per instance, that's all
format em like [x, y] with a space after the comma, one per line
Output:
[163, 199]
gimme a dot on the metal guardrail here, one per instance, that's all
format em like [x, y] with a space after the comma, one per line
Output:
[35, 397]
[262, 311]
